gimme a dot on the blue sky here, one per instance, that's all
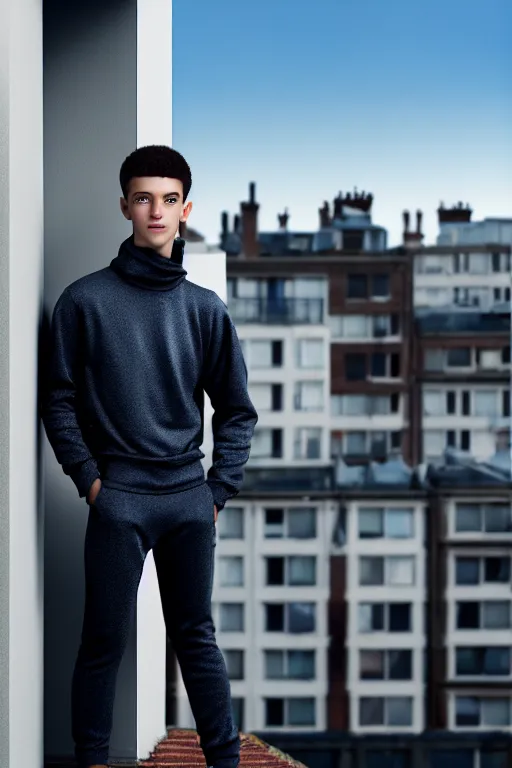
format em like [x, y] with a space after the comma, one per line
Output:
[408, 100]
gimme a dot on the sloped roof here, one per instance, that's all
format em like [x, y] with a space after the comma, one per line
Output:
[180, 748]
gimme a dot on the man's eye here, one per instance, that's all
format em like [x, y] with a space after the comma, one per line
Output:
[174, 199]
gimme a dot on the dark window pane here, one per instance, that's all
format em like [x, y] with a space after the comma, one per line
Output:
[377, 616]
[274, 712]
[380, 285]
[450, 438]
[378, 364]
[274, 516]
[274, 617]
[465, 440]
[301, 617]
[371, 711]
[468, 615]
[466, 407]
[451, 404]
[395, 325]
[275, 570]
[496, 661]
[277, 397]
[237, 707]
[355, 367]
[400, 665]
[459, 357]
[399, 617]
[467, 661]
[467, 570]
[357, 287]
[277, 443]
[371, 665]
[277, 353]
[497, 569]
[497, 518]
[467, 711]
[395, 365]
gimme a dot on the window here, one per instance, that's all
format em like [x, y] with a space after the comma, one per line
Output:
[308, 443]
[291, 711]
[486, 403]
[289, 665]
[230, 523]
[492, 661]
[232, 617]
[299, 523]
[267, 443]
[310, 353]
[295, 570]
[295, 618]
[380, 286]
[231, 571]
[266, 397]
[365, 405]
[434, 403]
[476, 711]
[265, 353]
[308, 396]
[355, 366]
[384, 617]
[234, 664]
[488, 614]
[389, 710]
[385, 366]
[395, 664]
[393, 571]
[386, 523]
[357, 287]
[237, 707]
[490, 517]
[481, 570]
[458, 357]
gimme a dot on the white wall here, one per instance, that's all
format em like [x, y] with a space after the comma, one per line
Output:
[21, 262]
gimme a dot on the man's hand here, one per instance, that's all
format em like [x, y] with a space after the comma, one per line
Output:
[216, 512]
[94, 490]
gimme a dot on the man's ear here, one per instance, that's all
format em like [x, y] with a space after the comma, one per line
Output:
[186, 211]
[124, 208]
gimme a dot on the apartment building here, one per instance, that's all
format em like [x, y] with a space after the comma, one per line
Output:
[337, 599]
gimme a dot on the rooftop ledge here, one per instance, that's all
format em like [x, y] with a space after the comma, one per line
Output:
[181, 748]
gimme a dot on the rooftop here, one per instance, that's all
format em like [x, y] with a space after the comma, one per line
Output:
[181, 748]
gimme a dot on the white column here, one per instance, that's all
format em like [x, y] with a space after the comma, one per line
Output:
[154, 126]
[21, 273]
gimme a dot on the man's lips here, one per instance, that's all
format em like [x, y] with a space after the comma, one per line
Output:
[156, 226]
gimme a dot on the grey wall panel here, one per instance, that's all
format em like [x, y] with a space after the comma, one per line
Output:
[90, 121]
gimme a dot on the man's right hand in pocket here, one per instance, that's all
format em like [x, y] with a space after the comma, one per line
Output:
[94, 490]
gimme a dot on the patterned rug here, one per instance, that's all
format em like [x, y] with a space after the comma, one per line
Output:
[180, 748]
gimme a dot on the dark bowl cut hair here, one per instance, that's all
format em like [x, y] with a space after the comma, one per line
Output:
[156, 160]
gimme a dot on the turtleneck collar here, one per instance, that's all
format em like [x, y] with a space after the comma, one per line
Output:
[145, 267]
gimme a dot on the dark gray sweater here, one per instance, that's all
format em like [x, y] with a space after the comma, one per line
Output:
[133, 348]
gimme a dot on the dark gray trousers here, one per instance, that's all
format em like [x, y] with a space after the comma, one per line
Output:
[180, 529]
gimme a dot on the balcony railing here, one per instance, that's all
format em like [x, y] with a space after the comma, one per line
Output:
[277, 311]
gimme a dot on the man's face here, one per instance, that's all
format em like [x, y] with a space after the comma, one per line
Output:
[155, 207]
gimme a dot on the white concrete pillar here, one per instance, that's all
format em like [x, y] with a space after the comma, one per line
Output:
[21, 274]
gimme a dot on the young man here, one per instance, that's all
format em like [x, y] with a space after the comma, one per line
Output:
[134, 347]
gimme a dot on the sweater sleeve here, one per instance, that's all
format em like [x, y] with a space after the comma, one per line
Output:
[225, 382]
[59, 402]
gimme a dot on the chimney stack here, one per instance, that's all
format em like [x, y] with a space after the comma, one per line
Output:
[249, 213]
[412, 240]
[283, 219]
[457, 214]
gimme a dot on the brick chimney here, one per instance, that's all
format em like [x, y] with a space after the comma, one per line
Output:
[459, 213]
[283, 220]
[412, 240]
[249, 213]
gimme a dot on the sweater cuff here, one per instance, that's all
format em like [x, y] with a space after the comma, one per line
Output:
[220, 494]
[83, 475]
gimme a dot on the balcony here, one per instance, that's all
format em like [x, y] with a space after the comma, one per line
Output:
[277, 311]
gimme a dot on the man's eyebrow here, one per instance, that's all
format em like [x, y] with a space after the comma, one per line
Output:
[167, 194]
